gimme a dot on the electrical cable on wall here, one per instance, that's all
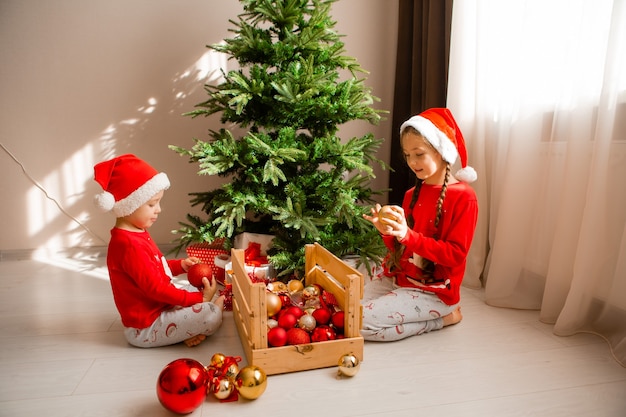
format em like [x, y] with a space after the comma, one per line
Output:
[43, 190]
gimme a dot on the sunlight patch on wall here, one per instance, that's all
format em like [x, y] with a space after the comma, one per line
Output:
[73, 171]
[206, 69]
[65, 187]
[149, 109]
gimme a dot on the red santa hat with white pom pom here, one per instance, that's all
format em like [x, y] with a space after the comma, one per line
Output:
[128, 183]
[439, 128]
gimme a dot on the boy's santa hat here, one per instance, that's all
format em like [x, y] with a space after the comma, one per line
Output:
[439, 128]
[128, 183]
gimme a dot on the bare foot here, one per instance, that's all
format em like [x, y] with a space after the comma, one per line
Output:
[219, 302]
[453, 318]
[195, 340]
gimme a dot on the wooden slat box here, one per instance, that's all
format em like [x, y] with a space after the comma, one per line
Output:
[250, 314]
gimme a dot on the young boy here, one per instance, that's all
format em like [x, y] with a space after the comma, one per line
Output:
[154, 312]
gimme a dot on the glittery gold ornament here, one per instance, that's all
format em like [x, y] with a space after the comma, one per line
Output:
[349, 365]
[251, 382]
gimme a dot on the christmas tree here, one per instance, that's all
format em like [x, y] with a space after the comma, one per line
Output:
[290, 175]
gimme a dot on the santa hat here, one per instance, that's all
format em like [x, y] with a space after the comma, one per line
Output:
[128, 183]
[439, 128]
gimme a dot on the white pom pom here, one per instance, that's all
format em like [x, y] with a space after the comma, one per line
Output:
[104, 201]
[467, 174]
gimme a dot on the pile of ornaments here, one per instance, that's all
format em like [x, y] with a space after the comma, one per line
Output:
[184, 384]
[299, 314]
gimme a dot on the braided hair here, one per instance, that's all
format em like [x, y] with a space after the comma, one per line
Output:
[428, 266]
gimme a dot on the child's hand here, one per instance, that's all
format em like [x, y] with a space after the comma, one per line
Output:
[393, 224]
[209, 290]
[187, 263]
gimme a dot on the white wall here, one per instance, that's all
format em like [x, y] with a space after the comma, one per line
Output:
[82, 81]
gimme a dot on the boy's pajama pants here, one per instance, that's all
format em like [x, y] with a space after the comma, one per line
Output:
[177, 325]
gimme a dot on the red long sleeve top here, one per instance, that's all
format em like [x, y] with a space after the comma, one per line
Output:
[141, 279]
[449, 251]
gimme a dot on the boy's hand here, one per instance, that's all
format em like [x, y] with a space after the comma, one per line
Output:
[209, 290]
[187, 263]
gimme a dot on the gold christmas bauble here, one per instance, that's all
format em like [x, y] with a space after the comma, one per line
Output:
[277, 287]
[232, 371]
[294, 286]
[349, 365]
[386, 213]
[251, 382]
[273, 303]
[310, 292]
[222, 388]
[217, 360]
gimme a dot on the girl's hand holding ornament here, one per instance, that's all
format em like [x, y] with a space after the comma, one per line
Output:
[388, 220]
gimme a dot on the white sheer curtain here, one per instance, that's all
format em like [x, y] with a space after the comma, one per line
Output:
[539, 89]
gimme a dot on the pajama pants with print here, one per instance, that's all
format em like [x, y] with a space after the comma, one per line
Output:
[177, 325]
[392, 313]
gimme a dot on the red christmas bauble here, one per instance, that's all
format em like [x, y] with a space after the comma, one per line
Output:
[182, 385]
[322, 315]
[277, 336]
[294, 310]
[323, 333]
[198, 271]
[287, 321]
[297, 336]
[338, 320]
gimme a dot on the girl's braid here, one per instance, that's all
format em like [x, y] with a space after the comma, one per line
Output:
[442, 196]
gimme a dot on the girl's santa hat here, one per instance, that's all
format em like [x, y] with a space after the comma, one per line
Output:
[128, 183]
[439, 128]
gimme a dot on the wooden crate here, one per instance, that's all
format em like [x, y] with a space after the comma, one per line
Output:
[249, 311]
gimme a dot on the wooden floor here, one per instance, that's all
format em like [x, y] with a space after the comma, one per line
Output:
[62, 353]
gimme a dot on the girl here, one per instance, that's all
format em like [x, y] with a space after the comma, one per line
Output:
[428, 237]
[154, 312]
